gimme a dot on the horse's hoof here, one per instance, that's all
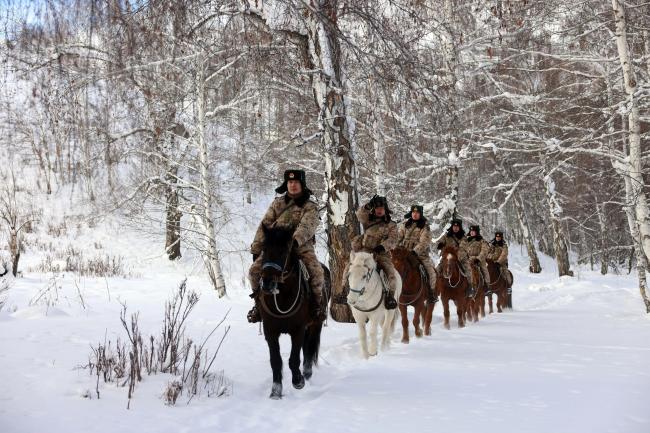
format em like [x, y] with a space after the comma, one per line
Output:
[418, 333]
[276, 391]
[427, 332]
[307, 372]
[405, 340]
[298, 381]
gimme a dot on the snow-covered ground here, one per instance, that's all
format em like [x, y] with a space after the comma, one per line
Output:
[573, 356]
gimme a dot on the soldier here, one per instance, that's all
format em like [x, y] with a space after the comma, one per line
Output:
[455, 237]
[415, 235]
[498, 253]
[379, 237]
[477, 251]
[293, 209]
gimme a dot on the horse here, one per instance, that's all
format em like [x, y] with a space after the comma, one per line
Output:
[498, 285]
[414, 293]
[285, 309]
[451, 284]
[476, 303]
[366, 297]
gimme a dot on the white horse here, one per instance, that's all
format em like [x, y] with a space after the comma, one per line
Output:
[366, 297]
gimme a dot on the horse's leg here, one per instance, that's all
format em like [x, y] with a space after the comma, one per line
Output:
[500, 300]
[374, 326]
[490, 302]
[297, 339]
[416, 317]
[361, 324]
[405, 323]
[387, 328]
[428, 316]
[445, 305]
[276, 365]
[461, 307]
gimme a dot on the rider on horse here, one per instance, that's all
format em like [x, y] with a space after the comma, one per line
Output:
[455, 238]
[498, 253]
[292, 210]
[415, 235]
[477, 250]
[379, 237]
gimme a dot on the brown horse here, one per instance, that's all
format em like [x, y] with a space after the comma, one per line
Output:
[476, 303]
[498, 285]
[414, 293]
[452, 284]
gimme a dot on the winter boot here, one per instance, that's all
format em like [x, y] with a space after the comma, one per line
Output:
[317, 311]
[389, 302]
[254, 315]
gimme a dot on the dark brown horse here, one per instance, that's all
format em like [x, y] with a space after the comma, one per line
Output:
[414, 293]
[498, 285]
[451, 284]
[285, 309]
[476, 303]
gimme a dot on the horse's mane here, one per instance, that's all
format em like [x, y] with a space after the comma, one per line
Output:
[449, 250]
[277, 235]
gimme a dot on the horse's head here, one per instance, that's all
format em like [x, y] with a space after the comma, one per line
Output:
[449, 261]
[275, 255]
[402, 258]
[362, 266]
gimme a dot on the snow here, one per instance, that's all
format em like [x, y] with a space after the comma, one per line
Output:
[571, 357]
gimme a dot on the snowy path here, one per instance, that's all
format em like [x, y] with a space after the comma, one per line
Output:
[572, 357]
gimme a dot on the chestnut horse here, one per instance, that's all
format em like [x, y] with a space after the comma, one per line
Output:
[285, 310]
[498, 285]
[476, 303]
[451, 284]
[414, 292]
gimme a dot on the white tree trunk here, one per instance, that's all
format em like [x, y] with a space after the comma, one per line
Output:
[559, 238]
[210, 253]
[534, 265]
[337, 140]
[633, 168]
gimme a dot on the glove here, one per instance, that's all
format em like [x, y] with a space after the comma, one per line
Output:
[255, 256]
[440, 245]
[294, 245]
[379, 249]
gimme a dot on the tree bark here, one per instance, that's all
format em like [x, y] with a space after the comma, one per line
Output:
[210, 253]
[328, 85]
[534, 265]
[559, 238]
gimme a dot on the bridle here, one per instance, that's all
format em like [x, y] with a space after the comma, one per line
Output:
[448, 277]
[361, 291]
[274, 287]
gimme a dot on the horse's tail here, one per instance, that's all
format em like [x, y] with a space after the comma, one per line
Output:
[311, 344]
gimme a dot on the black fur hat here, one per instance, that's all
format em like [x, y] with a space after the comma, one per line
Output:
[476, 228]
[294, 175]
[498, 233]
[415, 207]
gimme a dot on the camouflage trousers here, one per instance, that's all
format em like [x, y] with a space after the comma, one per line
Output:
[505, 273]
[308, 257]
[386, 264]
[428, 266]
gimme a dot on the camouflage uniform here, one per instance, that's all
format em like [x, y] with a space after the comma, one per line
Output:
[377, 232]
[498, 253]
[416, 236]
[300, 214]
[477, 249]
[457, 241]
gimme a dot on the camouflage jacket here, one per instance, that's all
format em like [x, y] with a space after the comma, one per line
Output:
[286, 212]
[449, 240]
[415, 235]
[477, 247]
[498, 252]
[376, 232]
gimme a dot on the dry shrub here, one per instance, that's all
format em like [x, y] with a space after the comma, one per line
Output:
[170, 352]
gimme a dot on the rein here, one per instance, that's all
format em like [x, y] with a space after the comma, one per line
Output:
[448, 277]
[367, 278]
[498, 278]
[416, 296]
[281, 280]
